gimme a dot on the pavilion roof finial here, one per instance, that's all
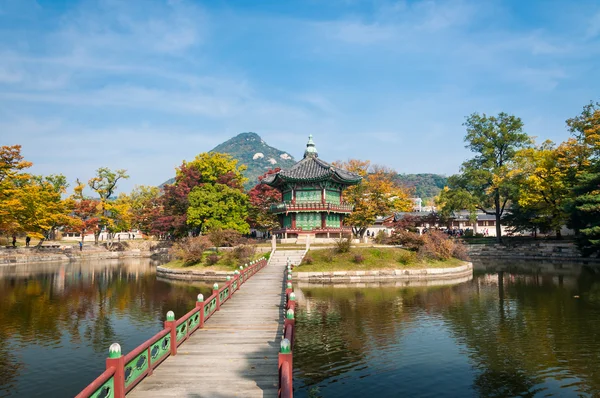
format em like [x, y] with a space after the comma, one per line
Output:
[311, 150]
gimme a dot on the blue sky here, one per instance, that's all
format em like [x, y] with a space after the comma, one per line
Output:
[142, 85]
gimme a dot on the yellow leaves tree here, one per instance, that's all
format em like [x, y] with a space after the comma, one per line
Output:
[217, 168]
[377, 195]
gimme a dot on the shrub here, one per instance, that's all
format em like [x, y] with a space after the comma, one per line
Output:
[307, 260]
[212, 259]
[439, 246]
[328, 255]
[343, 245]
[240, 255]
[190, 249]
[225, 237]
[381, 238]
[358, 258]
[409, 240]
[405, 257]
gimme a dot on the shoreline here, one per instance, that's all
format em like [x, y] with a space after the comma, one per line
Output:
[63, 256]
[337, 277]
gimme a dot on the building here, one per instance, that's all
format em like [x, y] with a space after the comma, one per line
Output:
[312, 192]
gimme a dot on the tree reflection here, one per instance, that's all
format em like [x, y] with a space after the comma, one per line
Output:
[40, 306]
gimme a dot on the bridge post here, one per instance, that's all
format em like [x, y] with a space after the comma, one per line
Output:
[118, 361]
[216, 293]
[170, 324]
[200, 304]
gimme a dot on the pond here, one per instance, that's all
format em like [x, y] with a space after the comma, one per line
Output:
[498, 335]
[58, 320]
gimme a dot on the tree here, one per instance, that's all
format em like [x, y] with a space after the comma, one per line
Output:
[377, 195]
[261, 197]
[218, 206]
[40, 208]
[12, 166]
[105, 184]
[486, 179]
[544, 179]
[584, 209]
[218, 168]
[144, 207]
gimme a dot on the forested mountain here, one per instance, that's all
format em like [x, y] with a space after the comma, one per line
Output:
[423, 186]
[250, 150]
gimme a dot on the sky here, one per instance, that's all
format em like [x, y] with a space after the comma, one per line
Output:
[142, 85]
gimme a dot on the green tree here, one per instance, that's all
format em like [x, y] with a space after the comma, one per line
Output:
[487, 178]
[218, 206]
[584, 209]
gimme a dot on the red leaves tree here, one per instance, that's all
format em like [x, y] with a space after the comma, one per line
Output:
[261, 198]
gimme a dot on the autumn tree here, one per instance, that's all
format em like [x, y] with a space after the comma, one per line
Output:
[377, 195]
[12, 166]
[104, 185]
[486, 180]
[261, 197]
[144, 207]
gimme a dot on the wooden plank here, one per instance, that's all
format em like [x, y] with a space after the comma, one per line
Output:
[235, 354]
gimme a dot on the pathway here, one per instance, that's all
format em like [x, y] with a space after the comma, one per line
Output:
[235, 354]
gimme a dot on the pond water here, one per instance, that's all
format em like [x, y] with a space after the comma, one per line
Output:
[58, 320]
[498, 335]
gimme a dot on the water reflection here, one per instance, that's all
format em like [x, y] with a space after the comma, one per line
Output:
[501, 334]
[57, 320]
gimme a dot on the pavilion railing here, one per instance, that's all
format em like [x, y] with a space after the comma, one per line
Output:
[123, 372]
[286, 352]
[285, 207]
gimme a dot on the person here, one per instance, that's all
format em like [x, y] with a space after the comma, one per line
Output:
[27, 240]
[80, 245]
[14, 241]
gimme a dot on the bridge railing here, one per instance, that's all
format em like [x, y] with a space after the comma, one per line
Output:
[286, 352]
[124, 372]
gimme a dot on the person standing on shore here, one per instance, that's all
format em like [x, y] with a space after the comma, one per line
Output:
[14, 241]
[27, 240]
[80, 245]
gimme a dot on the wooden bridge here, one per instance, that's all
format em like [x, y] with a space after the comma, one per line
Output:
[235, 354]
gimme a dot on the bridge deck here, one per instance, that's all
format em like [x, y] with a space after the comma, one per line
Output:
[235, 354]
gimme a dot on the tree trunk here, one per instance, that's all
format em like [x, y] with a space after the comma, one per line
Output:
[498, 216]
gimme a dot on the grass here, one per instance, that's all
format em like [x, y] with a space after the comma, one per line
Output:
[225, 263]
[373, 258]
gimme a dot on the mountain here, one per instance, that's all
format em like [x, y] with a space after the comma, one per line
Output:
[250, 150]
[423, 186]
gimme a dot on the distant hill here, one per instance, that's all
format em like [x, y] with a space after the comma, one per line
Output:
[250, 150]
[424, 186]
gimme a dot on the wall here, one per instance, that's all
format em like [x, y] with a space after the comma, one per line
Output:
[542, 250]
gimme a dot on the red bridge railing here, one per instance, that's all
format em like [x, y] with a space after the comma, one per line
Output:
[286, 352]
[125, 372]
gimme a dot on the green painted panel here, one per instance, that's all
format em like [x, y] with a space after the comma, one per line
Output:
[332, 196]
[210, 307]
[224, 294]
[181, 330]
[308, 221]
[287, 221]
[235, 285]
[135, 368]
[161, 348]
[287, 196]
[333, 220]
[313, 195]
[194, 320]
[106, 390]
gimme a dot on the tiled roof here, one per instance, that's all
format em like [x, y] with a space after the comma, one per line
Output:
[311, 168]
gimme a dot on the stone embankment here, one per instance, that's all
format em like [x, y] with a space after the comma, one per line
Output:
[551, 251]
[388, 276]
[68, 253]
